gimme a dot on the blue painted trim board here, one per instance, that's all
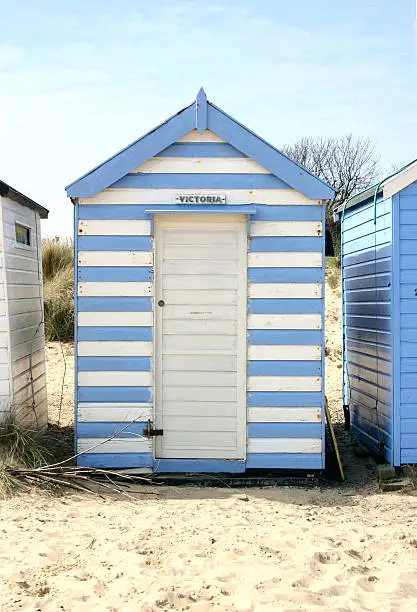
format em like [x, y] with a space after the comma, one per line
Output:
[133, 155]
[323, 342]
[115, 333]
[292, 461]
[216, 209]
[285, 336]
[285, 306]
[265, 244]
[201, 149]
[76, 205]
[114, 243]
[115, 460]
[199, 466]
[396, 332]
[115, 273]
[263, 212]
[266, 212]
[223, 180]
[284, 398]
[285, 430]
[114, 394]
[284, 368]
[114, 364]
[114, 304]
[273, 160]
[129, 212]
[201, 111]
[107, 430]
[284, 275]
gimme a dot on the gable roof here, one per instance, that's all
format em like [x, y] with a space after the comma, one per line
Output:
[200, 115]
[385, 188]
[8, 191]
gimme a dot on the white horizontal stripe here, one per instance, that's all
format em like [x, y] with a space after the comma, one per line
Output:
[113, 412]
[285, 228]
[114, 227]
[102, 348]
[284, 445]
[135, 444]
[284, 415]
[101, 289]
[284, 383]
[114, 379]
[285, 290]
[284, 352]
[201, 165]
[134, 319]
[284, 321]
[195, 136]
[285, 260]
[167, 196]
[115, 258]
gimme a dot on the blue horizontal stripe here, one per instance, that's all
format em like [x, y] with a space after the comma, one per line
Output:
[284, 306]
[114, 304]
[115, 460]
[198, 466]
[249, 209]
[290, 461]
[113, 211]
[114, 243]
[284, 275]
[200, 149]
[265, 212]
[265, 244]
[284, 398]
[284, 430]
[115, 364]
[114, 394]
[115, 273]
[283, 368]
[285, 336]
[115, 333]
[107, 430]
[199, 181]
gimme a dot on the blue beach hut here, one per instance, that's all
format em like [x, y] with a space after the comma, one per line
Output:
[199, 302]
[379, 272]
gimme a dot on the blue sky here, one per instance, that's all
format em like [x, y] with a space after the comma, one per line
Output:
[79, 80]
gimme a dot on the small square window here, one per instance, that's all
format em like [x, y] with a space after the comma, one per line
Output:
[22, 234]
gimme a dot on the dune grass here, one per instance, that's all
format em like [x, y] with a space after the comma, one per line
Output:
[58, 271]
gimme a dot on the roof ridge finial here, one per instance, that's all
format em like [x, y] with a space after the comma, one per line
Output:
[201, 111]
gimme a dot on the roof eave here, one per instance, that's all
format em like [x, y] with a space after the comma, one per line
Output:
[8, 191]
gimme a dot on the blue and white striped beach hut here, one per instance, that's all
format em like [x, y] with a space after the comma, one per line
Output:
[199, 302]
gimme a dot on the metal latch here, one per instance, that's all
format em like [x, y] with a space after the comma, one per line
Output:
[150, 432]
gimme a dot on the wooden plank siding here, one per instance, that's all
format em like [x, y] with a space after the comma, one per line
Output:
[22, 320]
[367, 308]
[114, 299]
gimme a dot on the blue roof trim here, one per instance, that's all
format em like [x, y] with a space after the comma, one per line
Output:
[266, 155]
[200, 115]
[133, 155]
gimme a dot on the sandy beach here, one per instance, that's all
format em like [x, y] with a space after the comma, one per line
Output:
[344, 547]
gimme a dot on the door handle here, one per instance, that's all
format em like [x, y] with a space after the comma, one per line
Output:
[161, 303]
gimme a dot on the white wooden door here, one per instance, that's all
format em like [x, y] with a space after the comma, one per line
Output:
[200, 336]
